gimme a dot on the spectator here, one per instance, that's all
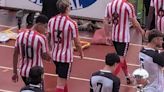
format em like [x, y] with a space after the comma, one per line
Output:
[49, 8]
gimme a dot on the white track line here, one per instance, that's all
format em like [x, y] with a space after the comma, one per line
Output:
[12, 28]
[101, 60]
[75, 78]
[6, 46]
[87, 58]
[2, 90]
[5, 26]
[89, 38]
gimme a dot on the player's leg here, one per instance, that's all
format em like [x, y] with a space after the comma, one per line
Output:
[63, 71]
[124, 63]
[118, 67]
[125, 47]
[121, 49]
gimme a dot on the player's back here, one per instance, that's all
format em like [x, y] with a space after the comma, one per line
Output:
[31, 44]
[104, 81]
[120, 11]
[63, 29]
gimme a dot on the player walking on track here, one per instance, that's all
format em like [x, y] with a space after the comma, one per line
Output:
[119, 13]
[31, 45]
[63, 32]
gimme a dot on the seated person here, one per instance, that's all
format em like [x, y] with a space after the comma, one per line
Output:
[35, 80]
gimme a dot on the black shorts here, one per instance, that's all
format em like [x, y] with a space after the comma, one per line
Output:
[121, 48]
[63, 69]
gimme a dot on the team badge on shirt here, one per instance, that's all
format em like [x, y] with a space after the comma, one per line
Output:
[115, 18]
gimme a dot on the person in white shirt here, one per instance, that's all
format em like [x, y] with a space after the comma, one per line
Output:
[153, 61]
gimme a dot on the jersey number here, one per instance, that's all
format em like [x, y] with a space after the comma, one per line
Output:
[99, 86]
[27, 52]
[58, 36]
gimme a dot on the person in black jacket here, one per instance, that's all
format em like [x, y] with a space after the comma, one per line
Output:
[49, 8]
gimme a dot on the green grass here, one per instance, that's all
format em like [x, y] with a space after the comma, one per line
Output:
[139, 8]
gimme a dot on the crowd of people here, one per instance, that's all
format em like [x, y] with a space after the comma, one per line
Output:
[55, 32]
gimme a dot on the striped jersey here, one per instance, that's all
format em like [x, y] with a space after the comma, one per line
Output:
[31, 45]
[152, 61]
[159, 12]
[62, 29]
[104, 81]
[119, 11]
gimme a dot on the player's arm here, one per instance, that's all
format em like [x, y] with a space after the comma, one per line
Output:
[132, 16]
[46, 56]
[137, 25]
[78, 46]
[45, 50]
[107, 21]
[15, 62]
[49, 34]
[76, 39]
[116, 85]
[49, 40]
[107, 24]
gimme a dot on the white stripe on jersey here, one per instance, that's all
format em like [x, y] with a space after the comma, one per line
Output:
[125, 10]
[37, 42]
[63, 51]
[157, 4]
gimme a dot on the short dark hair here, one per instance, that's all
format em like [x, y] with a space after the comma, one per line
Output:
[62, 5]
[41, 19]
[153, 34]
[111, 59]
[35, 75]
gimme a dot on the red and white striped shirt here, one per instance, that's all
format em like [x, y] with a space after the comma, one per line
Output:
[158, 4]
[31, 45]
[120, 11]
[62, 29]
